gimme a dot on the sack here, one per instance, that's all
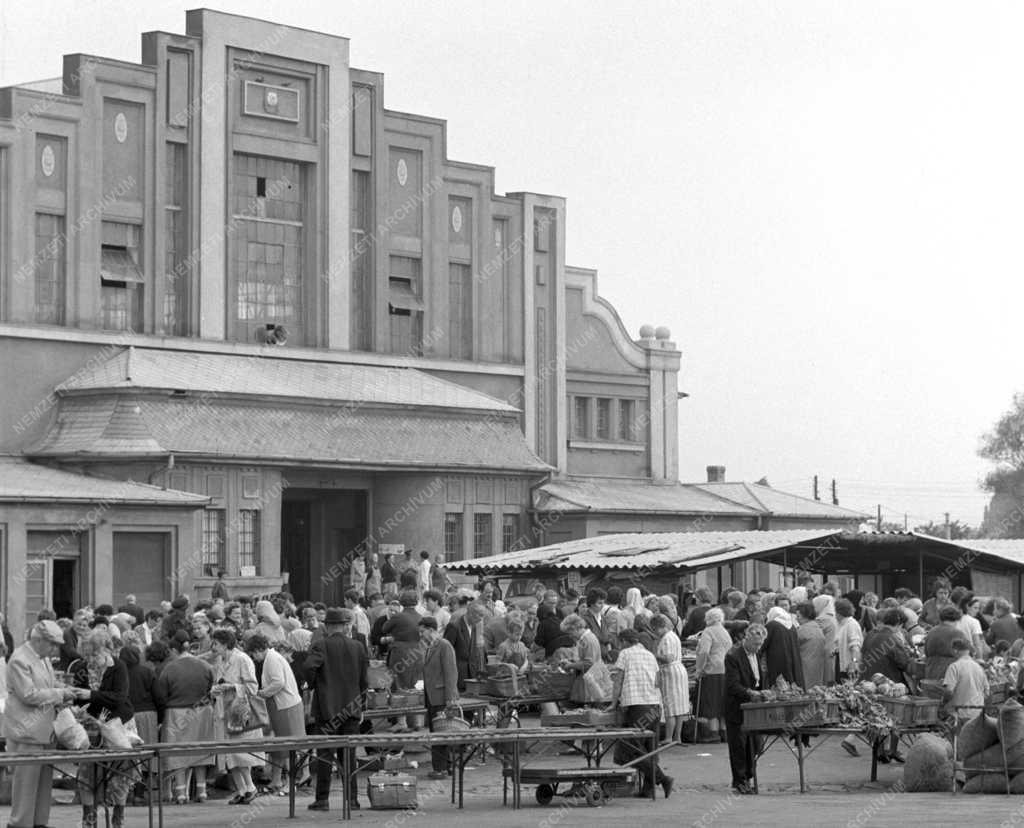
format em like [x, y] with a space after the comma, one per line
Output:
[69, 731]
[247, 711]
[597, 683]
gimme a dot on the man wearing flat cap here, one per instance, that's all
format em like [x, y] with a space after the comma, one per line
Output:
[440, 685]
[33, 696]
[336, 670]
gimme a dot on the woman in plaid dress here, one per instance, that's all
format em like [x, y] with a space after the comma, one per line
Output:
[675, 684]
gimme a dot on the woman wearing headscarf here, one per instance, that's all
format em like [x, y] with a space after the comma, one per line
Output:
[103, 680]
[713, 644]
[811, 641]
[675, 685]
[140, 692]
[695, 618]
[268, 624]
[182, 695]
[642, 625]
[782, 650]
[234, 677]
[825, 610]
[634, 607]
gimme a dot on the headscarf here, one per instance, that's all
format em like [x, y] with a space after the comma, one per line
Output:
[782, 616]
[635, 602]
[825, 605]
[265, 612]
[797, 596]
[914, 604]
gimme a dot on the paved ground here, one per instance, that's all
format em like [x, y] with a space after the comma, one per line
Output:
[840, 795]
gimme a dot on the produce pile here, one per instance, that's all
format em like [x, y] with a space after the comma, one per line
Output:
[783, 691]
[858, 706]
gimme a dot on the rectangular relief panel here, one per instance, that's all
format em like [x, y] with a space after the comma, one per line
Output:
[405, 193]
[123, 156]
[178, 88]
[274, 101]
[362, 121]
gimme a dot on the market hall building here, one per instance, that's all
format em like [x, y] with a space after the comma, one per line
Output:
[228, 274]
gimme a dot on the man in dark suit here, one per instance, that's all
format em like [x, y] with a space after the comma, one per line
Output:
[440, 685]
[742, 684]
[336, 669]
[462, 635]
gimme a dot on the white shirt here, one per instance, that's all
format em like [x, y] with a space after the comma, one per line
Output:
[424, 574]
[278, 681]
[970, 627]
[755, 666]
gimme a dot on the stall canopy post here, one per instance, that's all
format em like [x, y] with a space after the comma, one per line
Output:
[920, 573]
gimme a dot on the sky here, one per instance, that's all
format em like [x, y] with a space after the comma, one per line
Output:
[820, 199]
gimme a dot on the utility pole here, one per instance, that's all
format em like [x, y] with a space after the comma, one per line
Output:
[906, 522]
[949, 532]
[879, 524]
[816, 488]
[835, 495]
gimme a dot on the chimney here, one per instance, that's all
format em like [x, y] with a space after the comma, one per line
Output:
[716, 474]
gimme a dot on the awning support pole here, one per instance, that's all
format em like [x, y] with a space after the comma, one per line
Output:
[920, 573]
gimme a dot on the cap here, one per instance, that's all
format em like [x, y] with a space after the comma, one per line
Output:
[51, 631]
[336, 615]
[428, 621]
[179, 603]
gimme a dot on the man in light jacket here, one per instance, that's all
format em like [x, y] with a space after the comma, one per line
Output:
[33, 696]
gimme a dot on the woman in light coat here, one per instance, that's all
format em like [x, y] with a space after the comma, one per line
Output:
[234, 675]
[713, 644]
[811, 640]
[284, 702]
[825, 609]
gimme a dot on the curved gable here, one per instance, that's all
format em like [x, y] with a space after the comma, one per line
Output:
[592, 320]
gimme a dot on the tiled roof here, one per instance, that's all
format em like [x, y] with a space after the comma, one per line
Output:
[274, 376]
[23, 481]
[645, 550]
[777, 503]
[632, 496]
[128, 425]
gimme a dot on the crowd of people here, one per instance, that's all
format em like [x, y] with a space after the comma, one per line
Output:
[225, 669]
[817, 637]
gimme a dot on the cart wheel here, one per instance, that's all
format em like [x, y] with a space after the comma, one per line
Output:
[606, 793]
[593, 796]
[545, 793]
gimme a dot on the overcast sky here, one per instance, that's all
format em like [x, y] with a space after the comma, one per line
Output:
[822, 200]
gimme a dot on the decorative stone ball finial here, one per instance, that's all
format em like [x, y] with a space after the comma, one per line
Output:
[662, 333]
[647, 331]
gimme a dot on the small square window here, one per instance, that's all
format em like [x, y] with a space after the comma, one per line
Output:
[261, 187]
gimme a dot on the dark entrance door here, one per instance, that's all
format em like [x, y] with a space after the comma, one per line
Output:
[295, 551]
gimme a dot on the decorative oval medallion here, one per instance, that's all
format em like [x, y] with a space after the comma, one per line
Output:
[120, 128]
[456, 218]
[402, 172]
[271, 99]
[48, 161]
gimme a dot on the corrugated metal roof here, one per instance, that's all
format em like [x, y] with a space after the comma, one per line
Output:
[270, 376]
[645, 550]
[632, 496]
[132, 426]
[1008, 549]
[777, 503]
[21, 481]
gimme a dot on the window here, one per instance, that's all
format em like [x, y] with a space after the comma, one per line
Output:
[482, 536]
[626, 420]
[49, 269]
[249, 538]
[509, 531]
[213, 541]
[604, 419]
[269, 248]
[176, 254]
[453, 536]
[405, 307]
[121, 279]
[581, 417]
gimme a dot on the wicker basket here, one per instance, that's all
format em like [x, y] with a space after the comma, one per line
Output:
[926, 711]
[406, 698]
[474, 687]
[450, 724]
[553, 684]
[378, 676]
[377, 699]
[504, 680]
[779, 715]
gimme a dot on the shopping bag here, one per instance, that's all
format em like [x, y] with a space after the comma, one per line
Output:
[115, 734]
[597, 683]
[69, 731]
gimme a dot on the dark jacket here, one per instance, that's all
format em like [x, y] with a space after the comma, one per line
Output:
[1003, 629]
[938, 650]
[739, 682]
[336, 670]
[458, 634]
[885, 652]
[405, 656]
[549, 631]
[440, 674]
[112, 695]
[184, 681]
[694, 621]
[140, 680]
[782, 655]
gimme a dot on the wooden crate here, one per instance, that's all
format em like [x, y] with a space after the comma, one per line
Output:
[391, 791]
[377, 699]
[778, 715]
[830, 711]
[552, 684]
[406, 698]
[901, 709]
[926, 711]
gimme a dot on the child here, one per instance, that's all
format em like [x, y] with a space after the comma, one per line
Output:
[965, 685]
[512, 650]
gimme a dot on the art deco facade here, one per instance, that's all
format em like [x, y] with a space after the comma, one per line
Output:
[229, 271]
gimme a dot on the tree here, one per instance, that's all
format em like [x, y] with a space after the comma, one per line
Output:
[957, 530]
[1004, 446]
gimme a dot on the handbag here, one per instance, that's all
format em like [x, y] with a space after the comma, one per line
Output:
[597, 683]
[247, 711]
